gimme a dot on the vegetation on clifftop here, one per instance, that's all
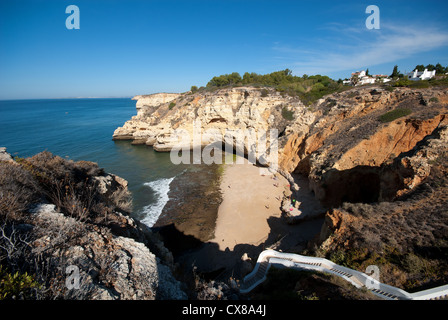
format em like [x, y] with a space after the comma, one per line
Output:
[291, 284]
[407, 238]
[307, 88]
[395, 114]
[30, 268]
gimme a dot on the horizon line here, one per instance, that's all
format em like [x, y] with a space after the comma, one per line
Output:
[68, 98]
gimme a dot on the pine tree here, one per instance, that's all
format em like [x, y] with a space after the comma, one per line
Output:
[395, 73]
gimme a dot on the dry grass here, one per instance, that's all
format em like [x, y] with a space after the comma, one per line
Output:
[407, 238]
[18, 189]
[36, 243]
[72, 188]
[290, 284]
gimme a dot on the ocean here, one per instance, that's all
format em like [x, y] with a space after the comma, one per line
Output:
[81, 129]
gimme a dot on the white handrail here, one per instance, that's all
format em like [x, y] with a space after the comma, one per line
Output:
[357, 278]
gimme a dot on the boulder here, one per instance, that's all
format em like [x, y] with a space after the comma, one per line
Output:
[110, 267]
[4, 156]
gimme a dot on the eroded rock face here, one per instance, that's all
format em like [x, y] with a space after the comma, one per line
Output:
[349, 155]
[389, 142]
[4, 156]
[153, 100]
[110, 267]
[410, 170]
[339, 143]
[226, 115]
[88, 249]
[337, 222]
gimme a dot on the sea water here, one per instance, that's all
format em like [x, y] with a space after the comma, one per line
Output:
[81, 129]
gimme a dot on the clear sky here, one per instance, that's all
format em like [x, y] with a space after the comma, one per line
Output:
[125, 48]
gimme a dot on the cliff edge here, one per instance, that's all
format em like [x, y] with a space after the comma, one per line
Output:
[225, 115]
[371, 156]
[65, 233]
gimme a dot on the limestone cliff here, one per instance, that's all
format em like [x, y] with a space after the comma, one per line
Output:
[375, 157]
[347, 150]
[341, 142]
[225, 115]
[383, 179]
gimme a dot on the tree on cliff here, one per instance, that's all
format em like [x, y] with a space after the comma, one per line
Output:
[419, 67]
[354, 79]
[440, 69]
[430, 67]
[395, 73]
[308, 88]
[225, 80]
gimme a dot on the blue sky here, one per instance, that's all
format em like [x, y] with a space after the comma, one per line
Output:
[125, 48]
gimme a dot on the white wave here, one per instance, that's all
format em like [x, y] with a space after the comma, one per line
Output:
[152, 212]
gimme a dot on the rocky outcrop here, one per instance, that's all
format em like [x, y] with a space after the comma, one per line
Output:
[344, 120]
[109, 267]
[347, 153]
[4, 156]
[403, 235]
[224, 116]
[412, 168]
[339, 143]
[364, 151]
[84, 245]
[389, 142]
[336, 223]
[138, 128]
[383, 180]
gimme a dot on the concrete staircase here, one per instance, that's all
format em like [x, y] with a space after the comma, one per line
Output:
[357, 278]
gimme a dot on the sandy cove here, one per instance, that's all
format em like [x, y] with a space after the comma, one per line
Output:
[250, 198]
[249, 219]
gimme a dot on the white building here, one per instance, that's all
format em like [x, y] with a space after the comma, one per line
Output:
[421, 75]
[362, 78]
[382, 78]
[367, 80]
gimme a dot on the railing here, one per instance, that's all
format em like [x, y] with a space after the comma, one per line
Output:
[357, 278]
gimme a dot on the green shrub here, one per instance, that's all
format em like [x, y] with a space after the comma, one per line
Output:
[338, 257]
[16, 286]
[403, 82]
[264, 92]
[318, 87]
[394, 114]
[434, 99]
[287, 114]
[172, 105]
[419, 84]
[18, 188]
[439, 82]
[194, 89]
[307, 88]
[413, 263]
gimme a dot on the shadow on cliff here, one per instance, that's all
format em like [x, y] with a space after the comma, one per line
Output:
[359, 184]
[309, 205]
[362, 184]
[210, 262]
[372, 183]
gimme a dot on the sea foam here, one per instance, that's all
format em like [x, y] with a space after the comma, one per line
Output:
[152, 212]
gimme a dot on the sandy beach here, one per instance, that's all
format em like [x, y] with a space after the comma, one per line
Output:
[249, 200]
[249, 219]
